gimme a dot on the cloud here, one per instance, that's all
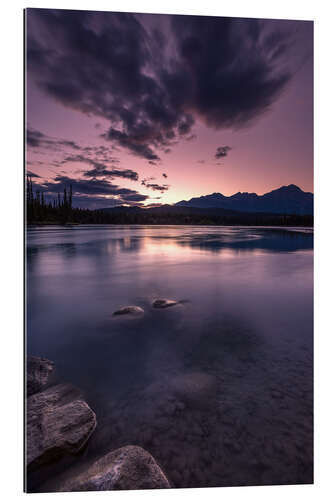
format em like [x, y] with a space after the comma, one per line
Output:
[32, 174]
[98, 202]
[185, 125]
[225, 72]
[222, 152]
[191, 137]
[137, 144]
[92, 155]
[155, 187]
[134, 197]
[101, 170]
[124, 173]
[147, 179]
[70, 144]
[100, 154]
[90, 189]
[36, 139]
[233, 69]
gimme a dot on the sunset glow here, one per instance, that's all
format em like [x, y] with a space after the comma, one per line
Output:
[269, 142]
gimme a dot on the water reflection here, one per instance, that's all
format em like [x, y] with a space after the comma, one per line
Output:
[274, 240]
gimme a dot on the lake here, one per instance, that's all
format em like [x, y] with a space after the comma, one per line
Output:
[219, 388]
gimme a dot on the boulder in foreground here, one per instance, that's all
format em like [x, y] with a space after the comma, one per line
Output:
[128, 468]
[39, 371]
[58, 422]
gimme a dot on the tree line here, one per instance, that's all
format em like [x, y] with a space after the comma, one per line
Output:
[61, 211]
[38, 210]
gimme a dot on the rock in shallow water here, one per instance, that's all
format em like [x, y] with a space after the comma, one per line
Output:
[58, 422]
[39, 371]
[129, 310]
[163, 303]
[128, 468]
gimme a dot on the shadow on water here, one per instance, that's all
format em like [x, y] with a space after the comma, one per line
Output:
[274, 240]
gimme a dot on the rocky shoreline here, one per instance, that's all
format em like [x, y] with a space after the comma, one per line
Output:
[245, 424]
[59, 423]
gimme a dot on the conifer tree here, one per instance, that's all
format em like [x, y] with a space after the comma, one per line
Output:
[70, 196]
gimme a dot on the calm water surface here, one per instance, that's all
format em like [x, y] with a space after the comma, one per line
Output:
[218, 389]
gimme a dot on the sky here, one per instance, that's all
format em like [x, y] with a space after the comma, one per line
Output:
[144, 109]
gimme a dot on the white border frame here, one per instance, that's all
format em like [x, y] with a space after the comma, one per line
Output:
[12, 236]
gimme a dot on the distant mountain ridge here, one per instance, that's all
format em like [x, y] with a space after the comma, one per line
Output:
[284, 200]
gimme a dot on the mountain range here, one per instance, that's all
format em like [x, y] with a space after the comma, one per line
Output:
[284, 200]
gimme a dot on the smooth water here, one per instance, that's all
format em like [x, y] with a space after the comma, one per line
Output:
[220, 388]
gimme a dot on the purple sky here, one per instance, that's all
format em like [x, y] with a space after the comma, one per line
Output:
[142, 108]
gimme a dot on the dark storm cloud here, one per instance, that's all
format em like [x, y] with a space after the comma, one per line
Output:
[90, 188]
[134, 197]
[223, 71]
[95, 202]
[134, 143]
[98, 202]
[233, 65]
[70, 144]
[222, 152]
[125, 174]
[37, 139]
[154, 205]
[34, 138]
[100, 169]
[185, 125]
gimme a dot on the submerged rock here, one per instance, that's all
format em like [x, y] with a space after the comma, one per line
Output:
[39, 371]
[129, 310]
[195, 388]
[128, 468]
[58, 422]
